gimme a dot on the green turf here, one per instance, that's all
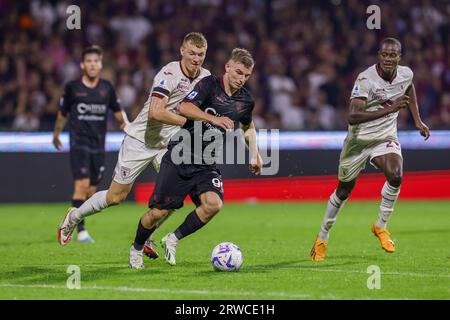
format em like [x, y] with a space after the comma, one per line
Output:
[275, 240]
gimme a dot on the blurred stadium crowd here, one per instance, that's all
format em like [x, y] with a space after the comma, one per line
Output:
[307, 53]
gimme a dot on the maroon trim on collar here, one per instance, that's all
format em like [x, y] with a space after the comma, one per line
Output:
[380, 73]
[190, 78]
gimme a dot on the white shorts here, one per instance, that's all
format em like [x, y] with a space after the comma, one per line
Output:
[354, 157]
[134, 157]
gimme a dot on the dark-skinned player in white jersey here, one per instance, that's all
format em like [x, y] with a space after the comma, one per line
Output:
[379, 94]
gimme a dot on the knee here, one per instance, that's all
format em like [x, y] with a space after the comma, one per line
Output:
[156, 214]
[395, 178]
[343, 193]
[212, 207]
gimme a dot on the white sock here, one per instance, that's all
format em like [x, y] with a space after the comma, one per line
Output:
[334, 206]
[389, 195]
[94, 204]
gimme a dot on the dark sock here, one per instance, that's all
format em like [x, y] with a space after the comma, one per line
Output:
[80, 226]
[142, 234]
[191, 224]
[77, 203]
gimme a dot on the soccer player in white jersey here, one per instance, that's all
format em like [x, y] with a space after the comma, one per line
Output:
[148, 135]
[378, 95]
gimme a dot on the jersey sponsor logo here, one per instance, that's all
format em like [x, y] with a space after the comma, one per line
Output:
[83, 108]
[90, 117]
[217, 183]
[380, 96]
[192, 95]
[183, 86]
[211, 111]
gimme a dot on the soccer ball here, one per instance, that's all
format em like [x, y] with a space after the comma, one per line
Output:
[226, 256]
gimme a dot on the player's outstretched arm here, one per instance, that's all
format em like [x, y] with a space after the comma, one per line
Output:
[158, 112]
[358, 114]
[256, 162]
[191, 111]
[414, 108]
[59, 126]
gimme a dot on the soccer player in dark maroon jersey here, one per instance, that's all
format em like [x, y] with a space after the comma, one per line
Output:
[86, 103]
[215, 104]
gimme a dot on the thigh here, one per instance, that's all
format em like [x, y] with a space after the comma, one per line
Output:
[134, 157]
[391, 164]
[352, 161]
[80, 163]
[171, 188]
[207, 181]
[387, 157]
[97, 167]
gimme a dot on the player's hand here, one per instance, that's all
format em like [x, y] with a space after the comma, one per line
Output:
[256, 164]
[424, 130]
[57, 143]
[223, 122]
[400, 103]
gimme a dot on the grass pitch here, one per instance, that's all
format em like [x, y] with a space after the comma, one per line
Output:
[275, 240]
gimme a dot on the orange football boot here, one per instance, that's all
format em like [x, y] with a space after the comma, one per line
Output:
[385, 240]
[318, 250]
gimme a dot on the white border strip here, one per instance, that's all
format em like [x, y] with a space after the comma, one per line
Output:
[286, 140]
[169, 291]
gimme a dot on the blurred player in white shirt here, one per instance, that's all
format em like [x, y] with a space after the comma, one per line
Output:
[379, 93]
[148, 135]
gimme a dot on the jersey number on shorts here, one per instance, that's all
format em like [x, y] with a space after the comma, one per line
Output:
[389, 144]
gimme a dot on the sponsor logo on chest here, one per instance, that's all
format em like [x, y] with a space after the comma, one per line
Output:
[183, 85]
[83, 108]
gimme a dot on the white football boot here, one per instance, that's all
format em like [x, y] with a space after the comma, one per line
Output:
[66, 228]
[136, 261]
[83, 236]
[169, 243]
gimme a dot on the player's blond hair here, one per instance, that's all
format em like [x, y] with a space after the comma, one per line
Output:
[243, 56]
[196, 38]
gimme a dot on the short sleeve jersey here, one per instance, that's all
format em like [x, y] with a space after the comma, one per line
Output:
[170, 82]
[210, 96]
[88, 108]
[378, 92]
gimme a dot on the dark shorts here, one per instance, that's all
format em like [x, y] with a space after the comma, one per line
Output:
[87, 165]
[175, 182]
